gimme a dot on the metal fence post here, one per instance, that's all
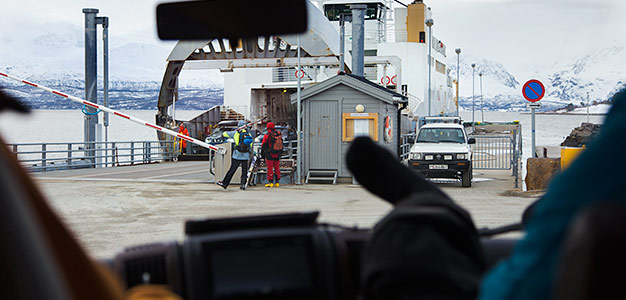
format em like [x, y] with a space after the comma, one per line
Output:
[112, 154]
[69, 155]
[149, 151]
[132, 153]
[514, 153]
[43, 157]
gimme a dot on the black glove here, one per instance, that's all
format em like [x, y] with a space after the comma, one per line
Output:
[427, 247]
[377, 170]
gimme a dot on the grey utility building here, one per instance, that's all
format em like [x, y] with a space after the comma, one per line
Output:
[336, 111]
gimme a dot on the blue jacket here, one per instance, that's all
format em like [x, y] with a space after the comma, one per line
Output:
[530, 271]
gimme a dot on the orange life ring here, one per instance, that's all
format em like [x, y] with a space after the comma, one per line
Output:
[388, 129]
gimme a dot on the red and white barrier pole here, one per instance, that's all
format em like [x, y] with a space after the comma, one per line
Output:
[121, 115]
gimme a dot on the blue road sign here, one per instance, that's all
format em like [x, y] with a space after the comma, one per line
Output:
[533, 90]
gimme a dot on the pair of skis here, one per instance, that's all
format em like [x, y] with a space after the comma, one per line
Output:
[249, 179]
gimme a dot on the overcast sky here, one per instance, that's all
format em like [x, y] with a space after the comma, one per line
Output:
[529, 35]
[524, 35]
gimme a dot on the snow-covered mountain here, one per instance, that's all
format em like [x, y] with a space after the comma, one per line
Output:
[54, 57]
[601, 74]
[499, 86]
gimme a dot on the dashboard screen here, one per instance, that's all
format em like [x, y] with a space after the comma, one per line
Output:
[276, 266]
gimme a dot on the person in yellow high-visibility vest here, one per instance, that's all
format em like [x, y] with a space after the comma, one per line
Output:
[241, 154]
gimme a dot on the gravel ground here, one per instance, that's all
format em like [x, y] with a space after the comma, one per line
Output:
[108, 215]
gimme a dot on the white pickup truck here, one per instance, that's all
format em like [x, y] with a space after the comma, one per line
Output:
[442, 150]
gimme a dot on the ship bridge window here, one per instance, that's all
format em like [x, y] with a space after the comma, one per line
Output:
[333, 11]
[440, 67]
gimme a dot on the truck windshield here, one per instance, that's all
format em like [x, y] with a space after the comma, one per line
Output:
[441, 135]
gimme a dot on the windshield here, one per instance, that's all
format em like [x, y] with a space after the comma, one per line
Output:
[441, 135]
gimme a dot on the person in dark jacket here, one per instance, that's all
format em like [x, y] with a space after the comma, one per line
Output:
[239, 158]
[272, 160]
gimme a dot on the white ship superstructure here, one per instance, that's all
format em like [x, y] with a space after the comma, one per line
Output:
[259, 74]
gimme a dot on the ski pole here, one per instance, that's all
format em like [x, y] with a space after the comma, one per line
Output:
[219, 150]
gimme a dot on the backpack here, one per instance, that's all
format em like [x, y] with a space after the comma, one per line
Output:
[245, 140]
[276, 142]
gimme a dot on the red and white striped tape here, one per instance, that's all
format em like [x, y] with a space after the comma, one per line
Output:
[119, 114]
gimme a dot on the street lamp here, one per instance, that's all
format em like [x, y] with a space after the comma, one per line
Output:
[588, 107]
[429, 23]
[482, 105]
[458, 52]
[473, 69]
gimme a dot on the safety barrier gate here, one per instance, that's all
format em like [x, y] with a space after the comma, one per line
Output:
[493, 152]
[499, 152]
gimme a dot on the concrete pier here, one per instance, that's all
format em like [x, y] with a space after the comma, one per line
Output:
[113, 208]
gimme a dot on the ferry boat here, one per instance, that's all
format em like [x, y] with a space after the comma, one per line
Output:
[260, 74]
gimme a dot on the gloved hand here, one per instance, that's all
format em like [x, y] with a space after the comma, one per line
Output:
[427, 247]
[377, 170]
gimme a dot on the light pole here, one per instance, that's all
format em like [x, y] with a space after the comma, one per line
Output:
[458, 55]
[482, 112]
[299, 122]
[429, 23]
[473, 97]
[587, 107]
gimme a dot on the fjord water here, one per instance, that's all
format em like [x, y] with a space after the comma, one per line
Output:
[48, 126]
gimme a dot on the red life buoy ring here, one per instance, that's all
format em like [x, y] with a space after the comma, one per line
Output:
[301, 73]
[388, 129]
[385, 79]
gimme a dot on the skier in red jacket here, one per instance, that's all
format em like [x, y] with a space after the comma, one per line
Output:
[271, 148]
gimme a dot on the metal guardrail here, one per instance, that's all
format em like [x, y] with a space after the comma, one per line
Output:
[493, 152]
[288, 74]
[42, 157]
[499, 152]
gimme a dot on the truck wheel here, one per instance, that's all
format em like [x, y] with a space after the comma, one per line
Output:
[466, 179]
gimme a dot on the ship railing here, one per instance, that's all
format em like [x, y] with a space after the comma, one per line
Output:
[414, 101]
[42, 157]
[288, 74]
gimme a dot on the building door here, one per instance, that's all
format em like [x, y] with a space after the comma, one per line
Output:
[324, 135]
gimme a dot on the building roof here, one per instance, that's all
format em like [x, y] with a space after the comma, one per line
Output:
[356, 82]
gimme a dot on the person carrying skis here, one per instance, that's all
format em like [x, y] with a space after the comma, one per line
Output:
[271, 148]
[241, 154]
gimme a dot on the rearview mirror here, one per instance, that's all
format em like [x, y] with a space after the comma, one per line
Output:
[471, 141]
[202, 20]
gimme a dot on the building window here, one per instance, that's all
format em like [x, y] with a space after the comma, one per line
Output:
[359, 124]
[333, 11]
[369, 52]
[440, 67]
